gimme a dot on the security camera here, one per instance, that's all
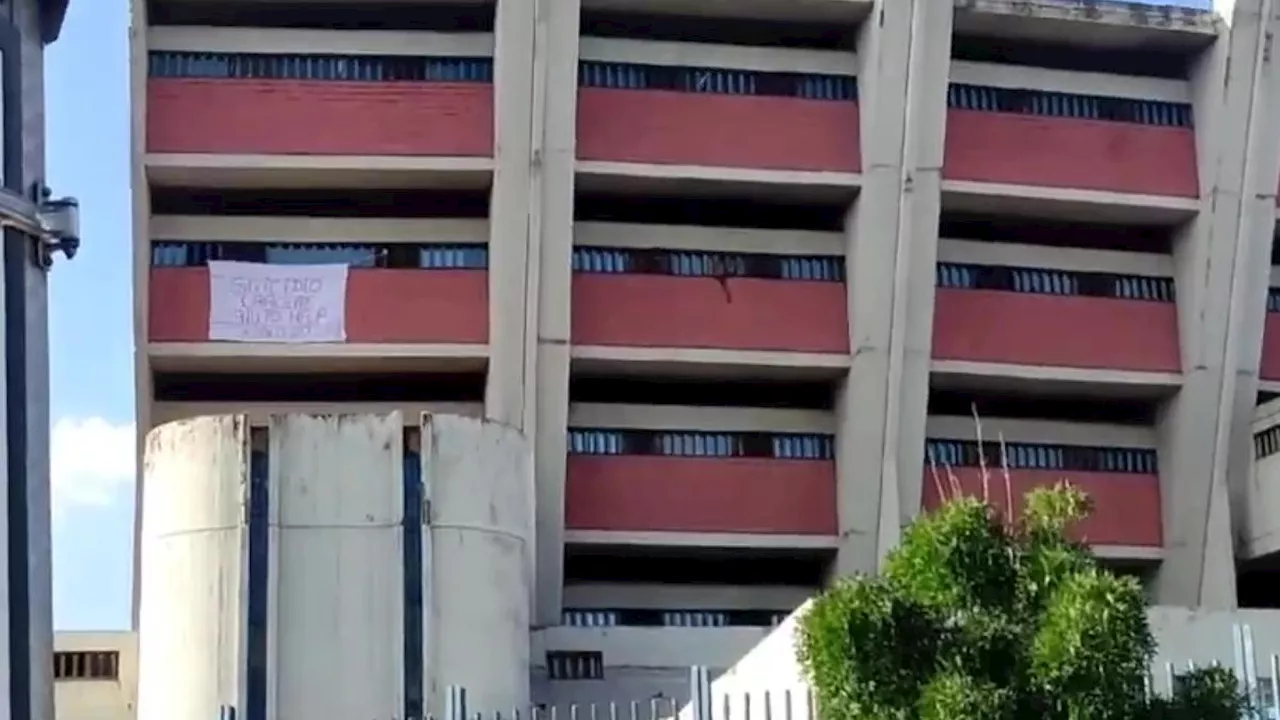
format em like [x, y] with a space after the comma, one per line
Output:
[61, 221]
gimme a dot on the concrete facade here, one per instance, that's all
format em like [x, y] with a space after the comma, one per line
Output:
[874, 129]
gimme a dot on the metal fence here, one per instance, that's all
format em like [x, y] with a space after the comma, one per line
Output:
[707, 699]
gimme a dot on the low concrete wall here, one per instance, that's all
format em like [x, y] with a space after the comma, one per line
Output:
[642, 664]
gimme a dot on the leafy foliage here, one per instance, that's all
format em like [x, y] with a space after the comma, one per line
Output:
[976, 618]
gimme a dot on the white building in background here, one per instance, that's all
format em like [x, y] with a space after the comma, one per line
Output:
[95, 675]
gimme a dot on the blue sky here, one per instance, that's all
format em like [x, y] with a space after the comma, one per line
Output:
[91, 327]
[90, 319]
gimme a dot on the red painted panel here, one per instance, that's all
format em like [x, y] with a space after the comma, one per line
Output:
[383, 306]
[310, 117]
[1126, 506]
[1070, 153]
[1055, 330]
[1269, 369]
[704, 312]
[741, 131]
[645, 493]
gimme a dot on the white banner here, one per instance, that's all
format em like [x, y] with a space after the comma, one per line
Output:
[252, 302]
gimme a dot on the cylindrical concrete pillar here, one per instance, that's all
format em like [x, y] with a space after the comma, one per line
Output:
[324, 566]
[479, 487]
[192, 548]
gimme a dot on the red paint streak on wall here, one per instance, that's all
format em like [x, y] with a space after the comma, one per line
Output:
[1269, 369]
[1126, 506]
[297, 117]
[643, 493]
[1070, 153]
[1055, 330]
[383, 306]
[740, 131]
[703, 312]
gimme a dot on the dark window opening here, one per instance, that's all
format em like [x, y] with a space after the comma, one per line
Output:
[696, 566]
[1258, 583]
[810, 395]
[320, 203]
[458, 17]
[710, 212]
[721, 81]
[342, 68]
[337, 387]
[702, 443]
[696, 263]
[1040, 456]
[1266, 397]
[1266, 443]
[182, 253]
[1054, 233]
[412, 527]
[1069, 105]
[1025, 406]
[1147, 62]
[257, 518]
[1055, 282]
[649, 617]
[1273, 300]
[575, 665]
[86, 665]
[719, 30]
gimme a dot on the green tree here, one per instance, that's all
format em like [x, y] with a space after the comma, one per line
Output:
[976, 618]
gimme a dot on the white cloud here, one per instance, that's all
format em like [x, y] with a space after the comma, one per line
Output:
[92, 460]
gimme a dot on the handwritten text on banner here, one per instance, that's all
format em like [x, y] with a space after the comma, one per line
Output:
[252, 302]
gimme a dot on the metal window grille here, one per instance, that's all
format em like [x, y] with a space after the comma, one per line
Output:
[345, 68]
[724, 81]
[1055, 282]
[1042, 456]
[1069, 105]
[177, 253]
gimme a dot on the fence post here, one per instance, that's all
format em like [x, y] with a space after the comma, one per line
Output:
[700, 693]
[455, 703]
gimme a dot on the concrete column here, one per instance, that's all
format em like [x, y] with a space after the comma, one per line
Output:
[509, 210]
[1222, 267]
[531, 242]
[904, 59]
[143, 394]
[557, 49]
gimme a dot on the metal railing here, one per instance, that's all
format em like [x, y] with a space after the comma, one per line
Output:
[730, 701]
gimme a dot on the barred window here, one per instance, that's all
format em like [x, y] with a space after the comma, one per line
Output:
[694, 263]
[1042, 456]
[1069, 105]
[173, 253]
[576, 665]
[631, 76]
[1055, 282]
[701, 443]
[645, 617]
[344, 68]
[1266, 443]
[86, 665]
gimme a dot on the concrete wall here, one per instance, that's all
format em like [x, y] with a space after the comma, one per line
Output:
[748, 662]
